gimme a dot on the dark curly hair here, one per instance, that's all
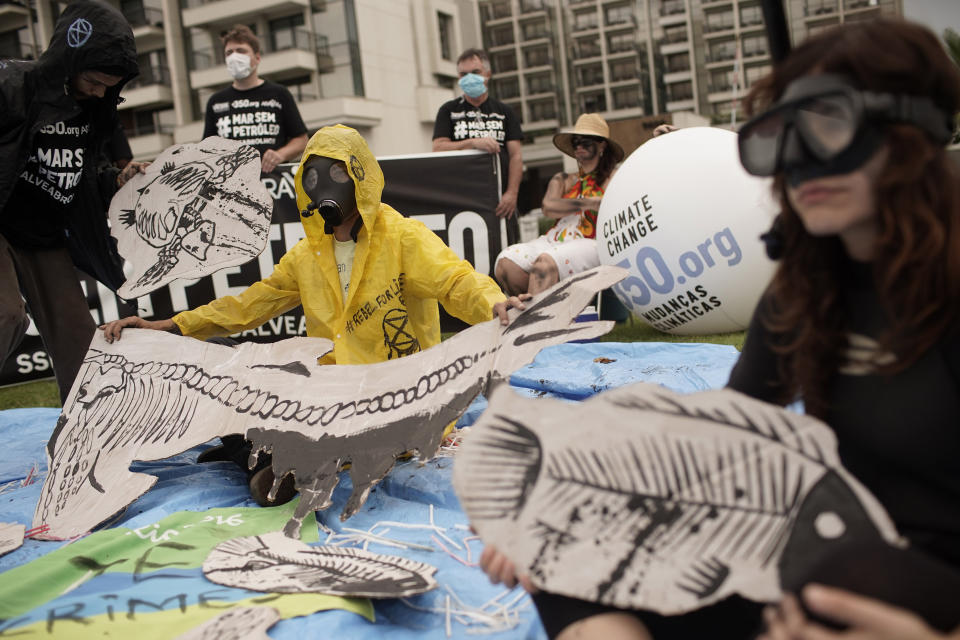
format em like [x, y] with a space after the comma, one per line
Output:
[916, 262]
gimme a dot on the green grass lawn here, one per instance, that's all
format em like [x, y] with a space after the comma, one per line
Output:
[43, 393]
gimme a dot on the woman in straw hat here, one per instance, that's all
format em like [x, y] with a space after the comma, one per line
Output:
[572, 200]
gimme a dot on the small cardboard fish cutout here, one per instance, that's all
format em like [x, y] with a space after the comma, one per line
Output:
[250, 623]
[11, 536]
[642, 498]
[199, 208]
[152, 395]
[275, 563]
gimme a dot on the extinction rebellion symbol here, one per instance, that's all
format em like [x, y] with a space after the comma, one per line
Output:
[78, 33]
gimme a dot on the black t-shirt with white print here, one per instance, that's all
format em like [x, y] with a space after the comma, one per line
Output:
[458, 120]
[264, 117]
[34, 216]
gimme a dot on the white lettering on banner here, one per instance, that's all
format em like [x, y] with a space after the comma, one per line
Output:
[30, 362]
[434, 222]
[178, 295]
[481, 241]
[293, 233]
[94, 313]
[266, 259]
[108, 303]
[282, 189]
[222, 288]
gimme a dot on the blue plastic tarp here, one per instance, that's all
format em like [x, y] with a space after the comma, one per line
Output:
[410, 495]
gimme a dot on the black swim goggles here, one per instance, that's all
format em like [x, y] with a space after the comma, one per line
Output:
[823, 119]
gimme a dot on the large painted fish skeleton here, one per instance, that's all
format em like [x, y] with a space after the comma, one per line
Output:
[642, 498]
[151, 395]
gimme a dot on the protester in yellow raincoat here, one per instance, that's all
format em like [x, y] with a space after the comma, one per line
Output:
[385, 306]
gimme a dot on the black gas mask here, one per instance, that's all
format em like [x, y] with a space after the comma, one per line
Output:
[331, 192]
[823, 126]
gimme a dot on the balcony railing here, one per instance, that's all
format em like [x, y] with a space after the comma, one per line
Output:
[531, 6]
[670, 8]
[143, 16]
[718, 87]
[820, 7]
[495, 10]
[150, 75]
[579, 53]
[585, 25]
[500, 38]
[620, 20]
[721, 55]
[722, 24]
[674, 37]
[619, 46]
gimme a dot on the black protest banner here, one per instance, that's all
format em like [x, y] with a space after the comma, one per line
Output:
[454, 194]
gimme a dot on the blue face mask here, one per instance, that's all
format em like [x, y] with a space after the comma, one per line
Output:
[473, 85]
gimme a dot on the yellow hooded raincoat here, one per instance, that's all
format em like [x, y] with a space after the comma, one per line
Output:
[400, 270]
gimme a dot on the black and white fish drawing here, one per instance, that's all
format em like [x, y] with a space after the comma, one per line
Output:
[249, 623]
[200, 207]
[152, 395]
[640, 497]
[277, 564]
[11, 536]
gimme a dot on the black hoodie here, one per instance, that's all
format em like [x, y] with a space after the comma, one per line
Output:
[89, 35]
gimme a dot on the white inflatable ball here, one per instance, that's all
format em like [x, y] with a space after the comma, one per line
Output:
[685, 219]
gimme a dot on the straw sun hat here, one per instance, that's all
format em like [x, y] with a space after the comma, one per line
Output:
[589, 124]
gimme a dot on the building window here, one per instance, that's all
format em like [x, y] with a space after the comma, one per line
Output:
[287, 33]
[750, 16]
[506, 88]
[718, 21]
[722, 51]
[540, 83]
[590, 75]
[755, 46]
[153, 70]
[585, 20]
[536, 57]
[756, 72]
[623, 70]
[16, 45]
[677, 62]
[147, 121]
[445, 31]
[503, 62]
[301, 88]
[542, 110]
[626, 97]
[721, 80]
[680, 91]
[620, 42]
[496, 10]
[502, 35]
[618, 14]
[593, 102]
[675, 33]
[587, 47]
[534, 30]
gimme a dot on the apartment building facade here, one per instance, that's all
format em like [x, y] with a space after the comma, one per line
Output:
[382, 66]
[385, 66]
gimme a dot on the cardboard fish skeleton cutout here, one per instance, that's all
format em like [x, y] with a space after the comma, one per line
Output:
[250, 623]
[277, 564]
[11, 536]
[151, 395]
[200, 207]
[672, 503]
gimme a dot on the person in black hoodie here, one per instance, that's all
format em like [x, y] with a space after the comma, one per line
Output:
[56, 116]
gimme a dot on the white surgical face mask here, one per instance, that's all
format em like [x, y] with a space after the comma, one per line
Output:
[238, 64]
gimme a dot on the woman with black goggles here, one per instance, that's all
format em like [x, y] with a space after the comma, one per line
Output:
[861, 321]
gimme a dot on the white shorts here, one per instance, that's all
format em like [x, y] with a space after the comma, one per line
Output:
[572, 256]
